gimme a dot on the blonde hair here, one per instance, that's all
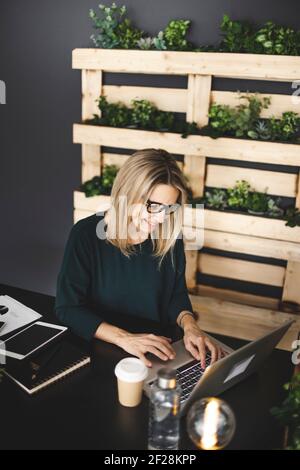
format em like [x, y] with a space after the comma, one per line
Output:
[136, 179]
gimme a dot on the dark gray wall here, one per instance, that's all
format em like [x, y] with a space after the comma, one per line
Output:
[39, 165]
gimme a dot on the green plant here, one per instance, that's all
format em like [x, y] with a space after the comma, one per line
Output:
[101, 184]
[145, 43]
[142, 112]
[292, 217]
[261, 131]
[113, 30]
[216, 198]
[175, 35]
[285, 128]
[113, 114]
[240, 120]
[159, 42]
[257, 202]
[289, 412]
[163, 120]
[238, 195]
[275, 39]
[274, 209]
[238, 36]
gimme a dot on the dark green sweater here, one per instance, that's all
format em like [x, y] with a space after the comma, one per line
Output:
[96, 281]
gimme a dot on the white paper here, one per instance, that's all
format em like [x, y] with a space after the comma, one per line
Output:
[17, 316]
[239, 368]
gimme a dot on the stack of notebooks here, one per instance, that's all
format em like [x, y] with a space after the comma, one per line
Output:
[51, 365]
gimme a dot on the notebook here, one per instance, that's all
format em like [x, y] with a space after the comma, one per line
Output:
[52, 365]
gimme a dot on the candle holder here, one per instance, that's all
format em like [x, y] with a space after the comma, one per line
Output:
[211, 424]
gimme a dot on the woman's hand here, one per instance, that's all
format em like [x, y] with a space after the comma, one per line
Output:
[140, 344]
[196, 342]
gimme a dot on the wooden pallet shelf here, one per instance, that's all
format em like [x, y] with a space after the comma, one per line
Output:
[219, 64]
[230, 240]
[196, 145]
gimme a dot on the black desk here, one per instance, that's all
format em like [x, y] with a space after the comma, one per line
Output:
[82, 412]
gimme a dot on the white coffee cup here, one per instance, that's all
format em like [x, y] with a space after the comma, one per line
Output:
[131, 373]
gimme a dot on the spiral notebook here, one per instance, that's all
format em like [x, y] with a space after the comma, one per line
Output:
[47, 368]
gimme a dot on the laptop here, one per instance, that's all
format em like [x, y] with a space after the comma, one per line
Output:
[234, 366]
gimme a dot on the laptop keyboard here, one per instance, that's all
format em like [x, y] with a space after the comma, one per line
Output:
[188, 376]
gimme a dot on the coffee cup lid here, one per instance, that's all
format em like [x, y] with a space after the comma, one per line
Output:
[131, 369]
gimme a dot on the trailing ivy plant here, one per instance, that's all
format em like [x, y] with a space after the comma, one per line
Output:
[288, 413]
[101, 185]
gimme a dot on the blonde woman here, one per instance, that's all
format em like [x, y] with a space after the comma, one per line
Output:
[130, 259]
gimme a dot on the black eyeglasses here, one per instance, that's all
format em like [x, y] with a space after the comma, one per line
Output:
[157, 207]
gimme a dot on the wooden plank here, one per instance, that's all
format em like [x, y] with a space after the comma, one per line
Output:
[91, 87]
[241, 321]
[278, 105]
[279, 184]
[233, 149]
[166, 99]
[251, 243]
[242, 224]
[114, 159]
[90, 204]
[80, 214]
[119, 159]
[91, 162]
[297, 203]
[175, 99]
[91, 83]
[235, 243]
[291, 289]
[223, 64]
[242, 298]
[191, 257]
[198, 98]
[241, 270]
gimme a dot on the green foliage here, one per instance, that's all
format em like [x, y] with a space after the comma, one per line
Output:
[238, 195]
[292, 217]
[142, 114]
[244, 121]
[159, 42]
[241, 36]
[238, 36]
[286, 128]
[289, 412]
[113, 29]
[175, 35]
[216, 198]
[101, 184]
[239, 120]
[274, 209]
[145, 43]
[258, 202]
[275, 39]
[113, 114]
